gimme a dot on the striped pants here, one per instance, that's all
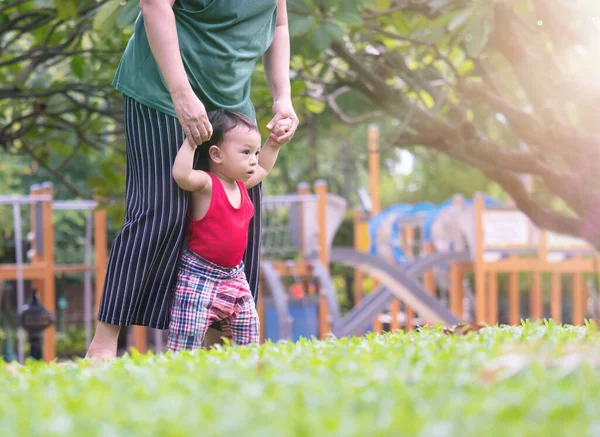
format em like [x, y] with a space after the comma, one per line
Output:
[143, 259]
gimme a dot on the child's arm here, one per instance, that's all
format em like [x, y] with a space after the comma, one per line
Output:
[266, 161]
[268, 153]
[183, 170]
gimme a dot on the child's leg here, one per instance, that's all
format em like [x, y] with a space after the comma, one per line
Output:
[187, 332]
[190, 314]
[245, 325]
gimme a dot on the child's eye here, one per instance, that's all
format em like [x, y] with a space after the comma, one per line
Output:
[257, 153]
[246, 152]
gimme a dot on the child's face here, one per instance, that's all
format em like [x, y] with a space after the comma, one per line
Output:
[239, 155]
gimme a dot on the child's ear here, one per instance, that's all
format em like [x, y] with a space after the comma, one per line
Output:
[214, 153]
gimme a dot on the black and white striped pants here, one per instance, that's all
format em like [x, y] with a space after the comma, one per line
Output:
[143, 258]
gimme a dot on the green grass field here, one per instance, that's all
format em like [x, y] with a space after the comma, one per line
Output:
[534, 380]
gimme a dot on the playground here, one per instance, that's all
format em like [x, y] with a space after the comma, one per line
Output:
[464, 261]
[426, 238]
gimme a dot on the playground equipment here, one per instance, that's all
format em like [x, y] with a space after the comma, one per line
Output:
[298, 231]
[482, 238]
[302, 232]
[41, 270]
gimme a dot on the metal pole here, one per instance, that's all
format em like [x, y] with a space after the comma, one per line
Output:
[20, 280]
[87, 279]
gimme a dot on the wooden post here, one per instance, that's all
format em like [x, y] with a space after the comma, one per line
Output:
[36, 258]
[535, 297]
[480, 297]
[374, 183]
[377, 326]
[578, 303]
[456, 290]
[429, 276]
[514, 296]
[536, 300]
[361, 244]
[321, 192]
[100, 249]
[555, 297]
[456, 270]
[492, 298]
[48, 293]
[395, 310]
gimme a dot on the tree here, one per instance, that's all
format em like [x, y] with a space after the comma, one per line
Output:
[56, 99]
[497, 84]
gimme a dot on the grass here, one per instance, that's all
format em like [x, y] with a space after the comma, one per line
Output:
[533, 380]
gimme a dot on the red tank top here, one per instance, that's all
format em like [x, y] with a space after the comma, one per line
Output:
[220, 236]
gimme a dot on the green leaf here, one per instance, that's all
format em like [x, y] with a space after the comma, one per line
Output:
[298, 6]
[299, 25]
[460, 19]
[401, 22]
[427, 99]
[105, 14]
[78, 65]
[66, 9]
[384, 4]
[315, 106]
[478, 37]
[466, 67]
[349, 18]
[128, 14]
[321, 38]
[334, 31]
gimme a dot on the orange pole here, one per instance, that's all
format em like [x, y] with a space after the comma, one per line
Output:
[374, 183]
[395, 324]
[578, 303]
[101, 251]
[456, 294]
[361, 244]
[321, 192]
[555, 297]
[514, 304]
[37, 258]
[374, 158]
[480, 297]
[48, 296]
[536, 299]
[377, 326]
[493, 298]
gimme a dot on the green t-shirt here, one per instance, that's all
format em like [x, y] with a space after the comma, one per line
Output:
[220, 43]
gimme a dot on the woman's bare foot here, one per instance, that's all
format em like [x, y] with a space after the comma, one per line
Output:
[104, 343]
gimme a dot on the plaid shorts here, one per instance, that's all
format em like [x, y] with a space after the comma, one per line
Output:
[206, 293]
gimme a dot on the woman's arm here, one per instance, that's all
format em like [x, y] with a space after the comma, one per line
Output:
[159, 22]
[277, 69]
[183, 170]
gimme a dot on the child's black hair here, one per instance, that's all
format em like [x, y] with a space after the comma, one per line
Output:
[222, 121]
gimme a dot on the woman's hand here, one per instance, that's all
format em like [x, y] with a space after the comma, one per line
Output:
[282, 110]
[192, 116]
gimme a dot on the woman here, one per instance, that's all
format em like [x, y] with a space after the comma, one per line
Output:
[185, 57]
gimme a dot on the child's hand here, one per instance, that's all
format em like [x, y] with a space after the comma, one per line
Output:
[281, 128]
